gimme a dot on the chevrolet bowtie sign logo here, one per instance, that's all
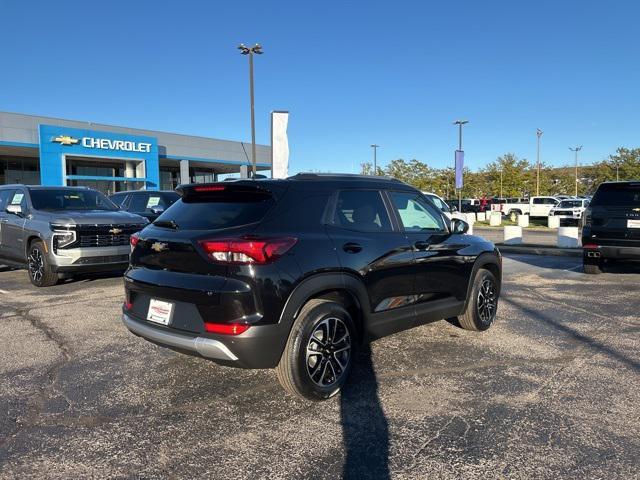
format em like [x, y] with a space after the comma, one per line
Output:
[65, 140]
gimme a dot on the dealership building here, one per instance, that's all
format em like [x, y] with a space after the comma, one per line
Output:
[50, 151]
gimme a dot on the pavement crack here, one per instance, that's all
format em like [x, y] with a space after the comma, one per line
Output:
[37, 403]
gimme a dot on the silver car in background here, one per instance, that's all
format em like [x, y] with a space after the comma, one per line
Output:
[63, 230]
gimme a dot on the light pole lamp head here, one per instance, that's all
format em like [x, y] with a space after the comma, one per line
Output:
[373, 145]
[244, 50]
[257, 49]
[539, 132]
[460, 122]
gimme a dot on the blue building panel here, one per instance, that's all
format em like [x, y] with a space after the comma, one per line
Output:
[56, 142]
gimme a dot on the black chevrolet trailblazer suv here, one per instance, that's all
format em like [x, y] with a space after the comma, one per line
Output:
[295, 274]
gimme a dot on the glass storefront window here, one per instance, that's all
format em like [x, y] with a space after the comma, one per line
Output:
[169, 178]
[19, 170]
[202, 175]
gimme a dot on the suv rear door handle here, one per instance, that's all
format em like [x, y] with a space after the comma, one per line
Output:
[421, 245]
[352, 247]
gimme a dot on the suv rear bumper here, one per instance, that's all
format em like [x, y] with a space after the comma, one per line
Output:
[607, 251]
[205, 347]
[259, 347]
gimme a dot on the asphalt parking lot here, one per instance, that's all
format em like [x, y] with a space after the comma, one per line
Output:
[551, 391]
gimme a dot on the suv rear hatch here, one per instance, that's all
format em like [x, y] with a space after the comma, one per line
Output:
[179, 257]
[614, 212]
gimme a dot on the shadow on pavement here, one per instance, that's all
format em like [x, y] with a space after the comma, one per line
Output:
[573, 263]
[364, 426]
[576, 335]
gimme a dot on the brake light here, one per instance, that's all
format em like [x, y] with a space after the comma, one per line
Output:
[133, 240]
[209, 188]
[247, 250]
[590, 246]
[226, 328]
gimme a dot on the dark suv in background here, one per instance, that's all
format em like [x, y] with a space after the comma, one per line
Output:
[69, 230]
[611, 225]
[146, 203]
[293, 274]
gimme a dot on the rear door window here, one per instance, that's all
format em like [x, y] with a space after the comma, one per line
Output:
[362, 211]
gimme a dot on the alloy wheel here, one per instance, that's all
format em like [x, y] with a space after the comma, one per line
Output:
[328, 352]
[36, 265]
[487, 301]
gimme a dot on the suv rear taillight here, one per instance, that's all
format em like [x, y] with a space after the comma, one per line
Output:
[243, 251]
[133, 240]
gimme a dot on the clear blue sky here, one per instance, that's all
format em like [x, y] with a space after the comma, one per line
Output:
[394, 73]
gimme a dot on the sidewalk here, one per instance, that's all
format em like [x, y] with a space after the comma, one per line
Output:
[529, 237]
[534, 242]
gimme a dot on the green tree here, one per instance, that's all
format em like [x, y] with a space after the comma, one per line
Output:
[510, 175]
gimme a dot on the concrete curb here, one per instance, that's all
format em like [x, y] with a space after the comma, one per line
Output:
[539, 250]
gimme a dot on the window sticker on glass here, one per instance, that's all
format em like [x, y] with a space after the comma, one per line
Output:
[17, 199]
[153, 201]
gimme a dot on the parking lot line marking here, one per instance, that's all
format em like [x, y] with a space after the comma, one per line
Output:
[3, 291]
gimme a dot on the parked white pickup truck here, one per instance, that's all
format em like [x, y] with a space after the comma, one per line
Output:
[570, 209]
[535, 207]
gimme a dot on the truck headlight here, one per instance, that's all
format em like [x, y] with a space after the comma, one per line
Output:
[63, 239]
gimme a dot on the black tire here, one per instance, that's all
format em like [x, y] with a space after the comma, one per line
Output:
[38, 266]
[308, 376]
[482, 305]
[592, 268]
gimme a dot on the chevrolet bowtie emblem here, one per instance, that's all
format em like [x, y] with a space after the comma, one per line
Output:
[65, 140]
[159, 246]
[115, 231]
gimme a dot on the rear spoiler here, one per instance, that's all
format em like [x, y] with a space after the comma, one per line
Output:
[219, 190]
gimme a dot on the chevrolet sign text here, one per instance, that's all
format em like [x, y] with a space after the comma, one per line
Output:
[123, 145]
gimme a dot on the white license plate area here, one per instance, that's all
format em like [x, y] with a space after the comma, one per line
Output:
[633, 223]
[160, 311]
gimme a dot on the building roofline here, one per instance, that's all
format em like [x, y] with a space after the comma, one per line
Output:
[132, 128]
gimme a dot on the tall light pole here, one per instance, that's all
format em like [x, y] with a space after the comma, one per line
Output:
[257, 50]
[576, 150]
[538, 134]
[375, 158]
[501, 169]
[460, 123]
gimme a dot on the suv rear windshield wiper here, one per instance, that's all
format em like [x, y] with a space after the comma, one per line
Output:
[166, 224]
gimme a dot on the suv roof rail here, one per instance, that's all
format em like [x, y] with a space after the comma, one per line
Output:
[340, 176]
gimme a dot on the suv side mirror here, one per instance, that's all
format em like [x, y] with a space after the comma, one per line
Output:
[15, 209]
[157, 209]
[459, 226]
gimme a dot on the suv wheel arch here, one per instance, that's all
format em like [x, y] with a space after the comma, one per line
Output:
[331, 286]
[489, 261]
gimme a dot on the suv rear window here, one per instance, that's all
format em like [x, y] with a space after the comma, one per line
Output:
[213, 212]
[618, 195]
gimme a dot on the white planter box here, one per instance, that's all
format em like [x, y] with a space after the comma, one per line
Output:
[553, 222]
[568, 237]
[512, 235]
[496, 219]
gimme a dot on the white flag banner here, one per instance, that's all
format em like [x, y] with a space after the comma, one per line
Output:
[279, 144]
